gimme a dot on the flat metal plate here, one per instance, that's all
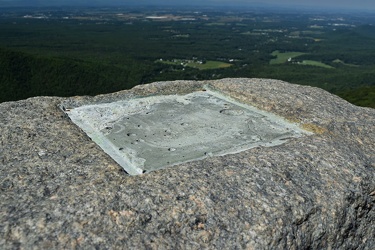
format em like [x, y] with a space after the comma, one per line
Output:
[150, 133]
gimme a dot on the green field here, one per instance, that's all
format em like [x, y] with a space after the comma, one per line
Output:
[215, 24]
[210, 65]
[283, 57]
[316, 63]
[198, 65]
[343, 63]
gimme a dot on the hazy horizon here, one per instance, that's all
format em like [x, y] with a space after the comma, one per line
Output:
[331, 4]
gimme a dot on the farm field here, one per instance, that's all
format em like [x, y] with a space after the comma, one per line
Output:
[316, 63]
[284, 57]
[343, 63]
[201, 65]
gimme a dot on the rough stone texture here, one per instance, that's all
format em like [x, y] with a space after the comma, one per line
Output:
[58, 189]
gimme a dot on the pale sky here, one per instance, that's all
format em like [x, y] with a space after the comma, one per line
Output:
[339, 4]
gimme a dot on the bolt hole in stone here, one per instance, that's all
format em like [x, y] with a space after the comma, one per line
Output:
[212, 130]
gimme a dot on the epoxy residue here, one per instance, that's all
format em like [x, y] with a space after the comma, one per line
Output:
[150, 133]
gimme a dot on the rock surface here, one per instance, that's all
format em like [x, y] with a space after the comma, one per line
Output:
[58, 189]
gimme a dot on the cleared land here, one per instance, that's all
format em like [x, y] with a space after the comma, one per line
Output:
[343, 63]
[197, 64]
[283, 57]
[316, 63]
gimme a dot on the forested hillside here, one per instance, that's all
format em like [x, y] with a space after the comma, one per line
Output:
[89, 51]
[23, 75]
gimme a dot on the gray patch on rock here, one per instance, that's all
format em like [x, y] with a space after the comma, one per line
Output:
[160, 131]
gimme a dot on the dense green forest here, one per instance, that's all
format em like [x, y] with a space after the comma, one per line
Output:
[93, 51]
[24, 75]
